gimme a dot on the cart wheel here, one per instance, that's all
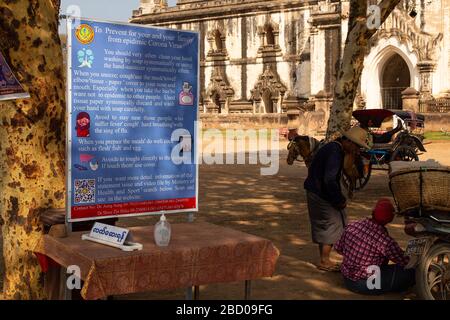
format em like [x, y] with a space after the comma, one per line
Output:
[404, 154]
[361, 182]
[433, 274]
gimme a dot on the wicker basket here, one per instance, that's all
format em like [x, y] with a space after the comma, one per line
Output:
[425, 187]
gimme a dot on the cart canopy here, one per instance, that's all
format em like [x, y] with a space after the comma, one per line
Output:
[372, 117]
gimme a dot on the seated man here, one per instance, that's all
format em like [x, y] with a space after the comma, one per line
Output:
[380, 138]
[366, 245]
[387, 136]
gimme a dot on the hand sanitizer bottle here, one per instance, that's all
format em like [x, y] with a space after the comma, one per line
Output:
[162, 232]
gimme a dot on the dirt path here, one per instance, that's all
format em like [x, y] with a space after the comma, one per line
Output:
[274, 207]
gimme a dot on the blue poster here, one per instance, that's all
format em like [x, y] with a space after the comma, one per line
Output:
[133, 104]
[10, 88]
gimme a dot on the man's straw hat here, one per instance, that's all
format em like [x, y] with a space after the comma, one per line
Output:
[358, 136]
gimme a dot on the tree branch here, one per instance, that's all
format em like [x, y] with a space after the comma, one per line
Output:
[386, 7]
[352, 62]
[358, 11]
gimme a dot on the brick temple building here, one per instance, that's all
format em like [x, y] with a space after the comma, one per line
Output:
[262, 57]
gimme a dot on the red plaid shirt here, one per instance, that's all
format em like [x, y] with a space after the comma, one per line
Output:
[366, 243]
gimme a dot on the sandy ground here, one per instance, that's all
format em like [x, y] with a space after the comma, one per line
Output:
[274, 207]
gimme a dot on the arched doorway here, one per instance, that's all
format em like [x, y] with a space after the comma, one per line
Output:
[218, 46]
[268, 102]
[270, 37]
[395, 78]
[374, 65]
[217, 103]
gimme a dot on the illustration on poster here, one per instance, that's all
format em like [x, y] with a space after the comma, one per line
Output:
[86, 58]
[83, 125]
[94, 165]
[186, 97]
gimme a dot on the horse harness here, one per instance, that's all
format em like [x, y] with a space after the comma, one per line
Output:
[314, 146]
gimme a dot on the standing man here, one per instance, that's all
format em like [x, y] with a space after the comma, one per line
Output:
[326, 203]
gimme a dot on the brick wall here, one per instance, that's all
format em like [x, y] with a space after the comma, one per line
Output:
[437, 121]
[310, 123]
[244, 121]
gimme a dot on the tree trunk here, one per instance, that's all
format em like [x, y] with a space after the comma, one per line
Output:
[349, 74]
[32, 138]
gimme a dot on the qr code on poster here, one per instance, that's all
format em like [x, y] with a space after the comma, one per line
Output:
[84, 190]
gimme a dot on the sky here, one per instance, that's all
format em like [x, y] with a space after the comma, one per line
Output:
[113, 10]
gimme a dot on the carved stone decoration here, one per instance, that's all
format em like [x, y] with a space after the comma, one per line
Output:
[325, 13]
[360, 102]
[218, 93]
[426, 69]
[268, 86]
[269, 37]
[292, 102]
[430, 50]
[152, 6]
[217, 44]
[400, 26]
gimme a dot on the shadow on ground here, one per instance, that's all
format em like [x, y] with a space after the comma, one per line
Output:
[274, 207]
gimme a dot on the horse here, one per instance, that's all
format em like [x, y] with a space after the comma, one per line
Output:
[306, 147]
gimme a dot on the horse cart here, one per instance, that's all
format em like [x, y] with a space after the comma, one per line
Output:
[422, 195]
[397, 136]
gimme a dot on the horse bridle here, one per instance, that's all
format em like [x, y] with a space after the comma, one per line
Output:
[293, 143]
